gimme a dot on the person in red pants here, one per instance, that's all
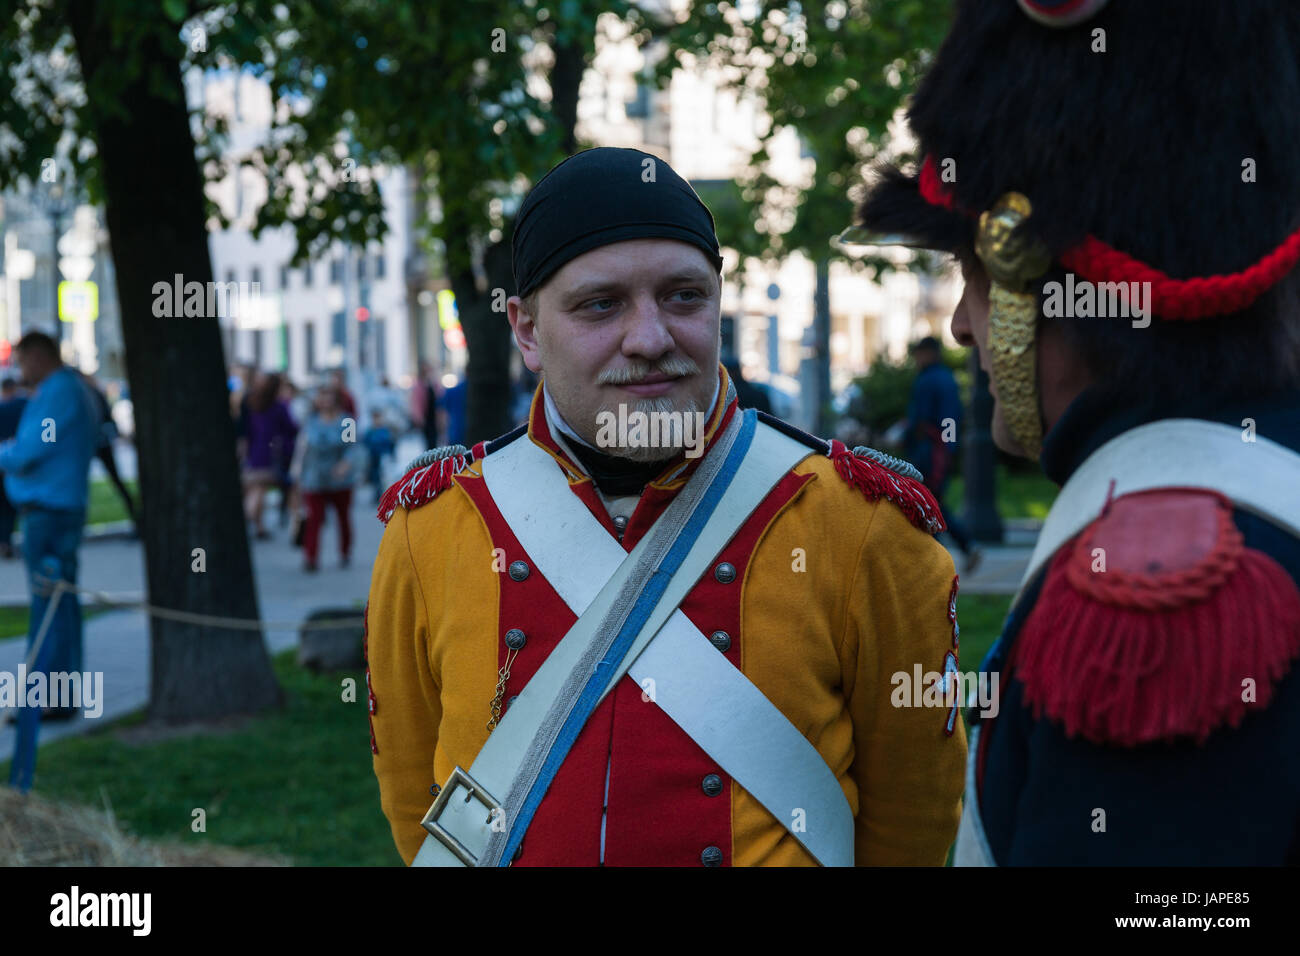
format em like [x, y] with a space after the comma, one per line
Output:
[329, 469]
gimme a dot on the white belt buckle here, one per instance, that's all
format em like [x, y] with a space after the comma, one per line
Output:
[476, 791]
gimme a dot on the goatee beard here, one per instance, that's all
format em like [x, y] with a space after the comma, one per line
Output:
[670, 444]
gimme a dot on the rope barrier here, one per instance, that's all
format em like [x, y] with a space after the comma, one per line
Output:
[104, 599]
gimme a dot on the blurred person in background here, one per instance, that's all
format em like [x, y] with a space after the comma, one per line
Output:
[386, 400]
[934, 416]
[239, 380]
[347, 403]
[424, 404]
[379, 443]
[46, 466]
[328, 468]
[453, 412]
[299, 408]
[12, 402]
[268, 432]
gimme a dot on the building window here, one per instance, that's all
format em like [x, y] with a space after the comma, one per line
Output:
[306, 275]
[336, 272]
[230, 275]
[255, 276]
[284, 278]
[340, 329]
[361, 267]
[380, 268]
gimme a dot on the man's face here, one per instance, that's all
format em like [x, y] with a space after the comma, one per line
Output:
[634, 323]
[970, 326]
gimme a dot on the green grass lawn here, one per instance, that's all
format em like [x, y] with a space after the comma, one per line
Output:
[980, 617]
[105, 503]
[298, 782]
[1027, 494]
[13, 620]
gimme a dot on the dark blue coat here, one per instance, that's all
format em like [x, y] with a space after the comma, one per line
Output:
[1232, 800]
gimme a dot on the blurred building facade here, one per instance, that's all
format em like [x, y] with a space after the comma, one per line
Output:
[50, 237]
[347, 308]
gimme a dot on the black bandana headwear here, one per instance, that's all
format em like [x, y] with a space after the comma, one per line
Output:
[600, 196]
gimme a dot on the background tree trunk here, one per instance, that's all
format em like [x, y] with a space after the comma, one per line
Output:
[487, 333]
[189, 483]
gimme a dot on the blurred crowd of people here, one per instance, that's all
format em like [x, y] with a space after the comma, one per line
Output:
[313, 448]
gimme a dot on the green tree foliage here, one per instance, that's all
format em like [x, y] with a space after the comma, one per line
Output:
[836, 73]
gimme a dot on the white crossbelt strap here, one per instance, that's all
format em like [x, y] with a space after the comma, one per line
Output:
[1258, 476]
[694, 684]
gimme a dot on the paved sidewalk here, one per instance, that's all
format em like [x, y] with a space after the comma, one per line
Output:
[1002, 565]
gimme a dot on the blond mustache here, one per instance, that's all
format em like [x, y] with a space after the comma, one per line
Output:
[639, 371]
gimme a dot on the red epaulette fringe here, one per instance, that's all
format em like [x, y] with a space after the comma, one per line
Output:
[423, 483]
[1132, 657]
[876, 481]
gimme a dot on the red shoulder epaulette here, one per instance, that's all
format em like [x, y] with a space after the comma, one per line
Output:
[865, 469]
[1157, 623]
[427, 475]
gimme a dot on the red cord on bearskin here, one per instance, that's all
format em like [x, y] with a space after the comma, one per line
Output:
[1193, 298]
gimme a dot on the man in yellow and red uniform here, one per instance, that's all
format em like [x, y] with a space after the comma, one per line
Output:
[832, 588]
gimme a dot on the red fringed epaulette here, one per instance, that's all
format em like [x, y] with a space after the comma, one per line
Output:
[1157, 623]
[425, 477]
[876, 481]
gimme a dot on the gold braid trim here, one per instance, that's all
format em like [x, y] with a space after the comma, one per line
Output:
[1011, 262]
[1013, 322]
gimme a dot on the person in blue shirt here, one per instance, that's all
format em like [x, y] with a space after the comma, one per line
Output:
[45, 469]
[378, 440]
[453, 403]
[934, 417]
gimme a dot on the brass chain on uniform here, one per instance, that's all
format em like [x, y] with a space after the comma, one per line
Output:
[1012, 261]
[503, 675]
